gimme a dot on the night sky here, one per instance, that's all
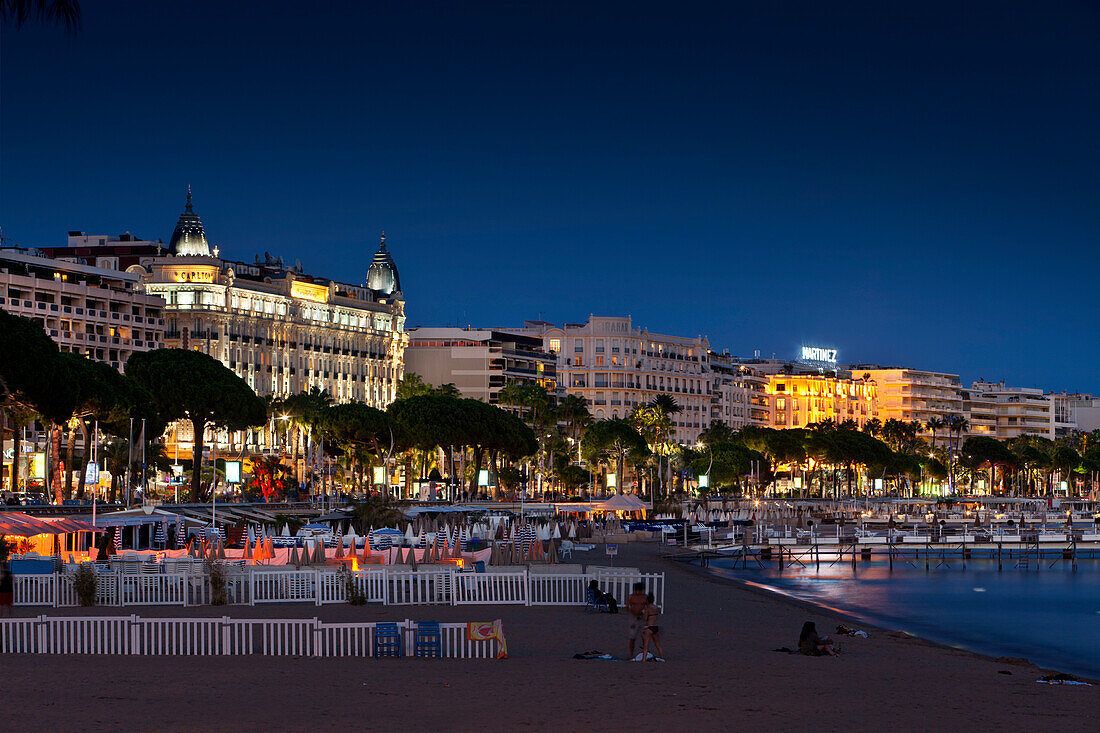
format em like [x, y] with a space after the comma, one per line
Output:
[910, 183]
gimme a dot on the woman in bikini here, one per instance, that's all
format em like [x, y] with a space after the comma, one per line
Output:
[651, 631]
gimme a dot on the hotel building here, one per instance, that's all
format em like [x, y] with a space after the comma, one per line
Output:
[276, 327]
[479, 362]
[617, 367]
[798, 400]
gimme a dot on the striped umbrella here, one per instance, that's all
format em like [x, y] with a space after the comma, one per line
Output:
[181, 533]
[160, 538]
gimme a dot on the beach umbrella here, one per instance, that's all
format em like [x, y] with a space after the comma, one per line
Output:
[557, 531]
[294, 559]
[340, 549]
[572, 530]
[320, 555]
[286, 530]
[411, 559]
[409, 536]
[221, 550]
[552, 553]
[181, 533]
[247, 549]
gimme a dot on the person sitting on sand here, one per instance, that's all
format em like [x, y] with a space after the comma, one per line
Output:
[602, 598]
[636, 603]
[810, 644]
[651, 632]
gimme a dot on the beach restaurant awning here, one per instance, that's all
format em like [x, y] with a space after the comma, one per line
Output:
[24, 525]
[622, 503]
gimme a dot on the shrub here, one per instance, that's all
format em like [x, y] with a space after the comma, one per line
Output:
[219, 594]
[84, 583]
[354, 595]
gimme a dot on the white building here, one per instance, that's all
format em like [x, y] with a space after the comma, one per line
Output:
[279, 329]
[1019, 410]
[95, 311]
[479, 362]
[617, 367]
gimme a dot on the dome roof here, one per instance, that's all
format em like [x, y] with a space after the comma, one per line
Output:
[382, 274]
[188, 238]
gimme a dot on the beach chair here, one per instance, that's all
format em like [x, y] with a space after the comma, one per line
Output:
[387, 640]
[591, 605]
[428, 640]
[566, 549]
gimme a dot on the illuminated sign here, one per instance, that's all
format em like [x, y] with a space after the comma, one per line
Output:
[704, 481]
[612, 481]
[309, 291]
[232, 472]
[379, 475]
[816, 353]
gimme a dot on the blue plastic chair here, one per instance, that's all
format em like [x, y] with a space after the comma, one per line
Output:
[428, 639]
[591, 605]
[479, 566]
[387, 640]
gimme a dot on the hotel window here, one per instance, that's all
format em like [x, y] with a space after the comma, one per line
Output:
[599, 359]
[555, 345]
[578, 346]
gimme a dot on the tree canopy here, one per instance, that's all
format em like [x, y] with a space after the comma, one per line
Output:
[193, 386]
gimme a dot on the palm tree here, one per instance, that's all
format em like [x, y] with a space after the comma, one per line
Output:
[573, 411]
[958, 425]
[934, 424]
[66, 12]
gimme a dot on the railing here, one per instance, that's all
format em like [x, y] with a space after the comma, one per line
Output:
[495, 588]
[218, 636]
[566, 589]
[249, 586]
[415, 587]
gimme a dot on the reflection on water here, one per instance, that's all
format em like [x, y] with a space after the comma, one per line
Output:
[1050, 616]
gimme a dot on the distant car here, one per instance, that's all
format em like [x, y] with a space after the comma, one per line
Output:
[27, 498]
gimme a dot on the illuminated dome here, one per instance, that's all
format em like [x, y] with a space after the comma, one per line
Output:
[382, 275]
[189, 237]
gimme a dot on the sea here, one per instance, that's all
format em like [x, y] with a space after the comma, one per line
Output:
[1048, 614]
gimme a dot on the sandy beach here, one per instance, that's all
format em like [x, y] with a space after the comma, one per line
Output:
[721, 673]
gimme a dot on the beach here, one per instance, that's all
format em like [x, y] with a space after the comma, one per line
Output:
[721, 673]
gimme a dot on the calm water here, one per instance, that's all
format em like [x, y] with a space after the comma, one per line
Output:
[1050, 616]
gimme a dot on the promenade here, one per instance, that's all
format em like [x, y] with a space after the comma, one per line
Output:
[720, 674]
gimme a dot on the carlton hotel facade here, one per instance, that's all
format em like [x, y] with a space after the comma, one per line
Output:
[280, 330]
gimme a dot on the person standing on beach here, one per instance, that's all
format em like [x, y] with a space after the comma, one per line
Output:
[651, 632]
[635, 604]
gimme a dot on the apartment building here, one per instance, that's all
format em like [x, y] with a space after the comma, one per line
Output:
[913, 394]
[616, 367]
[95, 311]
[479, 362]
[1019, 410]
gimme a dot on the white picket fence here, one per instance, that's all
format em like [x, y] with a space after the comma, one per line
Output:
[252, 586]
[219, 636]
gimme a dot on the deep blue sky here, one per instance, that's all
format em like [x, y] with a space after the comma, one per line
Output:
[911, 183]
